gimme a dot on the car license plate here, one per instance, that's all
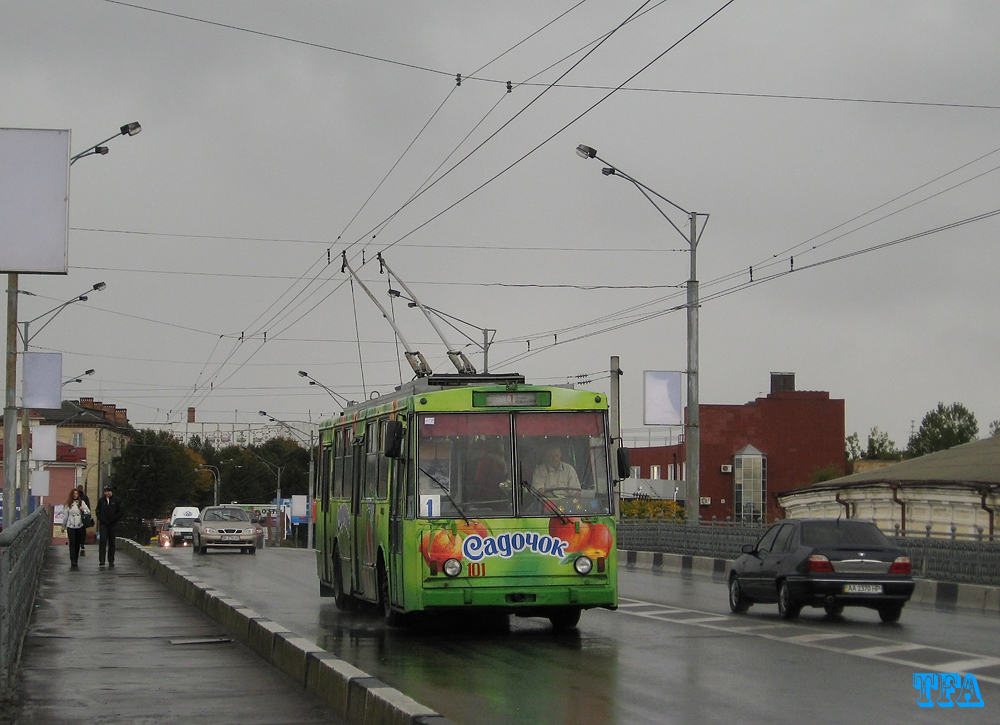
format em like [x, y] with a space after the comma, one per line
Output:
[862, 589]
[237, 538]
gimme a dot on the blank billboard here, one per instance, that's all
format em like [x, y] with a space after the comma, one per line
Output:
[34, 200]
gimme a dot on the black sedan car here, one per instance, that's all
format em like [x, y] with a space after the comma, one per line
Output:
[829, 563]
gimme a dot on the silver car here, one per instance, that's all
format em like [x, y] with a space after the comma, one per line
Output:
[224, 527]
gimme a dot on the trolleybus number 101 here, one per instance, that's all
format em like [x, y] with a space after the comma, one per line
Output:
[477, 568]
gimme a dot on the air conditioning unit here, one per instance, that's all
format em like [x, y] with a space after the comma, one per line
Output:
[726, 468]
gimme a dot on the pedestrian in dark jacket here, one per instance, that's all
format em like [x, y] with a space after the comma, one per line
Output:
[86, 500]
[72, 524]
[109, 513]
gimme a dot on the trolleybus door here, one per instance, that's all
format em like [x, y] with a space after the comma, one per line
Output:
[357, 532]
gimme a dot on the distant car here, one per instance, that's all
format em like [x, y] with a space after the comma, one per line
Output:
[224, 527]
[829, 563]
[163, 536]
[182, 532]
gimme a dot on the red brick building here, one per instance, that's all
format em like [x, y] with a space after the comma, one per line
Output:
[751, 452]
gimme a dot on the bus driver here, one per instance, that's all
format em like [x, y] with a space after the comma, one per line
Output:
[555, 477]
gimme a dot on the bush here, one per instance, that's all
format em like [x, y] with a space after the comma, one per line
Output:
[652, 508]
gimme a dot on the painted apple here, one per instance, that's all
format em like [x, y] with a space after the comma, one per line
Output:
[438, 546]
[475, 526]
[574, 531]
[599, 543]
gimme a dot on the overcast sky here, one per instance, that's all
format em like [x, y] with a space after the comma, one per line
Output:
[278, 134]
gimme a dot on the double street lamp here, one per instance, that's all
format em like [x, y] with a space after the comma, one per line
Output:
[25, 428]
[692, 428]
[129, 129]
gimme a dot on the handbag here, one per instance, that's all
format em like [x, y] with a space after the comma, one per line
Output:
[88, 520]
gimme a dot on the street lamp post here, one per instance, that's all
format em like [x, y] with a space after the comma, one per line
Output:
[215, 475]
[276, 470]
[692, 428]
[25, 428]
[312, 476]
[340, 399]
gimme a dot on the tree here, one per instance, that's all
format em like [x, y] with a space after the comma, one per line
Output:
[154, 473]
[881, 447]
[944, 427]
[853, 446]
[995, 428]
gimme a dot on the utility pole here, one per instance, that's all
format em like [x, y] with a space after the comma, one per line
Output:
[692, 441]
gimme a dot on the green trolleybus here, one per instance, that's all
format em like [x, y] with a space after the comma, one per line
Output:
[471, 492]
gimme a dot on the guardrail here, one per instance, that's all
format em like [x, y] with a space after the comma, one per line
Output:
[22, 550]
[951, 559]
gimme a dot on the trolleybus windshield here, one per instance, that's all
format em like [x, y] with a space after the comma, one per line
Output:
[494, 465]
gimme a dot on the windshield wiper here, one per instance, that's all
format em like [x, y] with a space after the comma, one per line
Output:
[446, 493]
[546, 503]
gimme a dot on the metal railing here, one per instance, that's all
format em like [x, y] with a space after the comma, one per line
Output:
[944, 559]
[22, 551]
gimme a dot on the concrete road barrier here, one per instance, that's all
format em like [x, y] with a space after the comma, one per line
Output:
[353, 693]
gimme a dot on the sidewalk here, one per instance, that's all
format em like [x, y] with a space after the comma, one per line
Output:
[117, 646]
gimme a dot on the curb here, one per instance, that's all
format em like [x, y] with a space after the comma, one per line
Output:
[354, 694]
[941, 595]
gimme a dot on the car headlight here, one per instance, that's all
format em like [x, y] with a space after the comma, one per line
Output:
[452, 567]
[583, 565]
[210, 531]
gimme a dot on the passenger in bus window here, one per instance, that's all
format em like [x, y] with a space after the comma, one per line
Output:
[555, 477]
[491, 477]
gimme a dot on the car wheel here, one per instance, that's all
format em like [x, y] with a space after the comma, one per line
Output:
[204, 549]
[786, 608]
[565, 617]
[833, 610]
[737, 600]
[890, 613]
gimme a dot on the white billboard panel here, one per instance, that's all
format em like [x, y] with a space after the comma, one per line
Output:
[661, 400]
[43, 442]
[39, 482]
[42, 380]
[34, 200]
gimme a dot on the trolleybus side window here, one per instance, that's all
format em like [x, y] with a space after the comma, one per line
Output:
[338, 464]
[325, 475]
[347, 481]
[383, 463]
[371, 459]
[562, 465]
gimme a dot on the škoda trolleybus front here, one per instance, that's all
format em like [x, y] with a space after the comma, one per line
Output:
[474, 497]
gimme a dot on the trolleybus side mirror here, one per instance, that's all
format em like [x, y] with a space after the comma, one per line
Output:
[393, 439]
[624, 463]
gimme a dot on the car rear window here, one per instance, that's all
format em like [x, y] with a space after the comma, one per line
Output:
[842, 533]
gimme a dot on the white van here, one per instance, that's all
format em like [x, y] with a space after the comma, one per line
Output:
[181, 519]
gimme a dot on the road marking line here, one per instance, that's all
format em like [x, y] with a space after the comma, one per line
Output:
[825, 641]
[818, 637]
[886, 649]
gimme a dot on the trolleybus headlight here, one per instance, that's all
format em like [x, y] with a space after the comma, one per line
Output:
[452, 567]
[583, 565]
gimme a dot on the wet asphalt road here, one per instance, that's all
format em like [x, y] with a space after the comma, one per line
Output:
[672, 654]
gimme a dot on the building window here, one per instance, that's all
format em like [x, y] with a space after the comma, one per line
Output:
[78, 440]
[654, 472]
[749, 485]
[636, 472]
